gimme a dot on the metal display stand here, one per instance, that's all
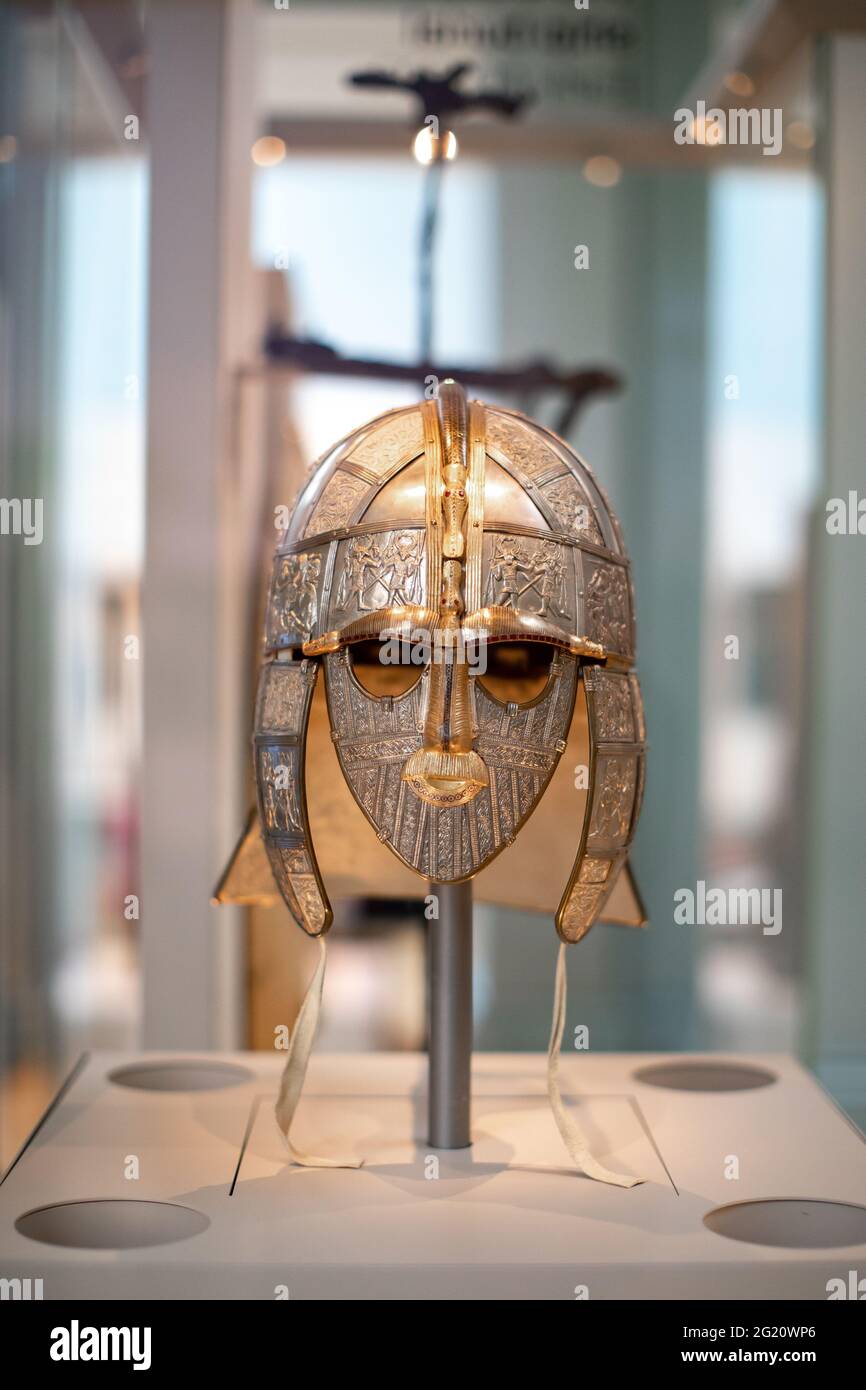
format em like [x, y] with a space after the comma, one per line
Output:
[217, 1211]
[450, 1016]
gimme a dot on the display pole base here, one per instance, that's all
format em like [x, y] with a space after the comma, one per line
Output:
[450, 1016]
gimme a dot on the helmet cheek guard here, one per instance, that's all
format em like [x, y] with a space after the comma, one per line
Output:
[285, 695]
[615, 791]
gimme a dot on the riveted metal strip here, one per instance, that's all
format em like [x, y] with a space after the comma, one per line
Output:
[475, 515]
[433, 489]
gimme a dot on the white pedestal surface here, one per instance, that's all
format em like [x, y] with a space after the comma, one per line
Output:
[506, 1218]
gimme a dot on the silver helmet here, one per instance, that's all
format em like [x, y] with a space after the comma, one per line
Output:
[454, 576]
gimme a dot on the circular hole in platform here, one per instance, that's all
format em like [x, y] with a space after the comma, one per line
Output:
[796, 1224]
[111, 1224]
[705, 1076]
[180, 1076]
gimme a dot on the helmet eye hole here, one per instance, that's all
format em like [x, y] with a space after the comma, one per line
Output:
[517, 672]
[386, 669]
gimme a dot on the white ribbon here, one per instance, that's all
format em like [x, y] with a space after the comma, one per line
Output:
[295, 1070]
[301, 1043]
[571, 1135]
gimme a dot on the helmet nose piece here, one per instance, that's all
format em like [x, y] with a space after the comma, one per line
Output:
[446, 770]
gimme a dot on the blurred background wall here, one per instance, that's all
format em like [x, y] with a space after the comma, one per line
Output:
[175, 181]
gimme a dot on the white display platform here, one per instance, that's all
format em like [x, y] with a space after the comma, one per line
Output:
[507, 1218]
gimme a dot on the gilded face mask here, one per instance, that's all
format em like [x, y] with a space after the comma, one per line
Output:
[456, 578]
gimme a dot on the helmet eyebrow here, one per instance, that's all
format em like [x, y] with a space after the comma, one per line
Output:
[402, 623]
[483, 627]
[499, 624]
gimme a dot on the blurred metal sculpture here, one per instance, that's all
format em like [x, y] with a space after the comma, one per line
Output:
[439, 98]
[440, 95]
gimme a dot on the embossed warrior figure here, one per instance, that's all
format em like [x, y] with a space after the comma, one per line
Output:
[280, 606]
[293, 606]
[278, 794]
[548, 580]
[503, 582]
[305, 605]
[362, 559]
[403, 559]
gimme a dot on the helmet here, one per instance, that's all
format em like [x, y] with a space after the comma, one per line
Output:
[455, 577]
